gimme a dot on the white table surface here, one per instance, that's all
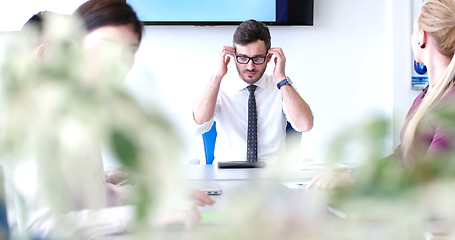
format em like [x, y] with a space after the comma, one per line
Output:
[248, 192]
[235, 181]
[212, 172]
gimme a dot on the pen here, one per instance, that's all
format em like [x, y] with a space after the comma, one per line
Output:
[124, 181]
[336, 212]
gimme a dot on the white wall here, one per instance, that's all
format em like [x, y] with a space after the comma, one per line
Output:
[15, 13]
[353, 63]
[403, 96]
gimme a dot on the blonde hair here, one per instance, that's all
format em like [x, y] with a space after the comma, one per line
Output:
[437, 18]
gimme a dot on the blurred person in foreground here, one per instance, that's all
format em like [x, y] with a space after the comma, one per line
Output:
[110, 24]
[69, 196]
[424, 136]
[34, 28]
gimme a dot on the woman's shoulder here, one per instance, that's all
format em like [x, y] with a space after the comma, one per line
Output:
[448, 98]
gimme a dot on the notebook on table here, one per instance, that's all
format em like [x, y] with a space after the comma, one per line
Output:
[242, 164]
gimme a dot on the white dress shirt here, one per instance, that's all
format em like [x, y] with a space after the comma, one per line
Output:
[86, 196]
[231, 116]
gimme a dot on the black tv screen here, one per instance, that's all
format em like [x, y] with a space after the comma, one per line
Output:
[223, 12]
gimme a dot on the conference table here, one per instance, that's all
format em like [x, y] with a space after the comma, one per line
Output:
[272, 203]
[236, 181]
[212, 172]
[262, 203]
[255, 203]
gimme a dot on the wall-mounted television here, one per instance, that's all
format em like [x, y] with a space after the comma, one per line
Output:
[223, 12]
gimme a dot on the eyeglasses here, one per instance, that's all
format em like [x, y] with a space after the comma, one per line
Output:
[245, 59]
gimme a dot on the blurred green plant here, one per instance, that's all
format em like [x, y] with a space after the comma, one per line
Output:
[411, 197]
[361, 141]
[55, 107]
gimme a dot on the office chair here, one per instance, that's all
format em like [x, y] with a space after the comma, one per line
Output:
[291, 135]
[4, 228]
[209, 139]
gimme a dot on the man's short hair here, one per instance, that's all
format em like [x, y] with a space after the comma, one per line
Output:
[34, 28]
[251, 31]
[36, 22]
[100, 13]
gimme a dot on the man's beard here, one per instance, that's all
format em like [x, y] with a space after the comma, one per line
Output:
[248, 80]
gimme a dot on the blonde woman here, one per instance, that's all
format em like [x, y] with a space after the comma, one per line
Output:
[433, 43]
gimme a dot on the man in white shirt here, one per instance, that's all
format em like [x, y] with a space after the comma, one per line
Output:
[227, 101]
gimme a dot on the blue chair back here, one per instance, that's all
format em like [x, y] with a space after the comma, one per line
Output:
[209, 139]
[292, 134]
[4, 228]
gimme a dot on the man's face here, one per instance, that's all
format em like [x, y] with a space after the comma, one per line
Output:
[110, 46]
[250, 72]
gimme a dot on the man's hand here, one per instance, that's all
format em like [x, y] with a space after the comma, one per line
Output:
[185, 215]
[225, 58]
[200, 198]
[116, 176]
[280, 62]
[119, 194]
[204, 107]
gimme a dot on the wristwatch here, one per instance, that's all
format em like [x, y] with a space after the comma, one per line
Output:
[283, 82]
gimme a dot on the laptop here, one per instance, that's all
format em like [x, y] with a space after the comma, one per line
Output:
[210, 187]
[242, 164]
